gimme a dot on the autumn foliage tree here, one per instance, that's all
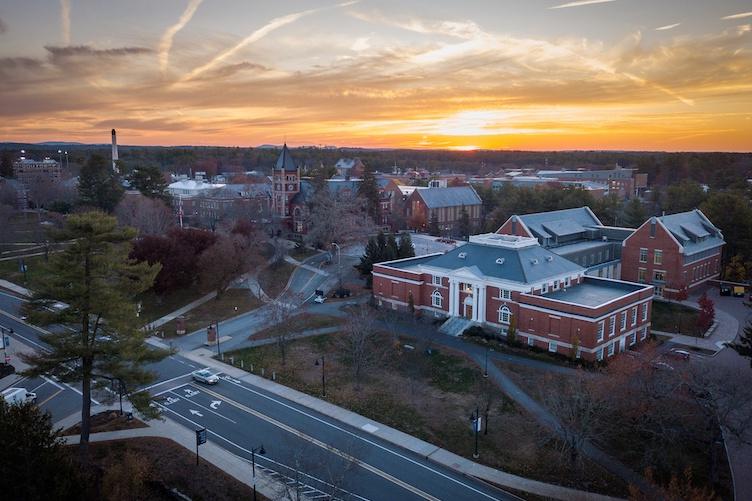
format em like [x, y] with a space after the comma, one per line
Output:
[707, 312]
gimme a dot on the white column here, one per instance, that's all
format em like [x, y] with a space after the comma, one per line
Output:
[481, 303]
[476, 302]
[451, 297]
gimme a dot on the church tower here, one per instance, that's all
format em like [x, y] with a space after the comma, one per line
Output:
[285, 183]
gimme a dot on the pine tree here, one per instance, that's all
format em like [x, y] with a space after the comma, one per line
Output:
[463, 224]
[150, 182]
[97, 281]
[369, 257]
[406, 248]
[392, 249]
[369, 190]
[634, 213]
[98, 185]
[433, 225]
[381, 243]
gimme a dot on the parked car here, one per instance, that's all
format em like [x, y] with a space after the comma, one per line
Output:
[725, 290]
[205, 376]
[678, 354]
[342, 293]
[319, 299]
[662, 366]
[738, 291]
[18, 396]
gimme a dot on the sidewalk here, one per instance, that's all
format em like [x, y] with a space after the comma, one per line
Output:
[188, 307]
[15, 288]
[210, 452]
[424, 449]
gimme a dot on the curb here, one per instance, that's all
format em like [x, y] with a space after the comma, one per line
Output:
[400, 439]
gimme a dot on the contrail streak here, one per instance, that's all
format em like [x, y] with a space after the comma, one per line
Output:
[580, 3]
[65, 20]
[257, 35]
[165, 43]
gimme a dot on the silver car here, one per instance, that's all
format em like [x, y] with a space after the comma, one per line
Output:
[205, 376]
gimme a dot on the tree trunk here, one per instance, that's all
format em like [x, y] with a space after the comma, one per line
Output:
[85, 408]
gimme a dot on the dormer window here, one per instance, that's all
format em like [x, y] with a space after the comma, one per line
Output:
[544, 288]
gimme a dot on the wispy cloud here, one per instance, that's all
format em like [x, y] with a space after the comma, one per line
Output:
[165, 44]
[668, 27]
[65, 21]
[741, 15]
[580, 3]
[257, 35]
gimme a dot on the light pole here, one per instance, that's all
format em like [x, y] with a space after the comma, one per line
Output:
[339, 264]
[323, 374]
[485, 370]
[476, 428]
[67, 164]
[260, 449]
[216, 332]
[60, 156]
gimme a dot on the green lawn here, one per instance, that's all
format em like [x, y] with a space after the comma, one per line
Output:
[273, 279]
[299, 323]
[302, 253]
[154, 306]
[231, 303]
[9, 270]
[675, 318]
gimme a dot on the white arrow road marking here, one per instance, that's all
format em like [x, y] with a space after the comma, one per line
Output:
[196, 413]
[215, 404]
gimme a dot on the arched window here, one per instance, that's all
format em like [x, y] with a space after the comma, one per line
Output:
[505, 315]
[436, 299]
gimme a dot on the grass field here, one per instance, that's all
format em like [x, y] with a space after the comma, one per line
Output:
[231, 303]
[675, 318]
[273, 279]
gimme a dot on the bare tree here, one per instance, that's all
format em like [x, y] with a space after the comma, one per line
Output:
[150, 216]
[341, 218]
[223, 262]
[280, 314]
[360, 348]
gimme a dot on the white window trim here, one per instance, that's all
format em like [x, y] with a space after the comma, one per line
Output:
[611, 349]
[601, 330]
[436, 297]
[623, 320]
[530, 341]
[645, 312]
[567, 281]
[552, 347]
[556, 285]
[656, 253]
[433, 280]
[505, 311]
[599, 354]
[505, 294]
[612, 325]
[646, 255]
[634, 316]
[544, 288]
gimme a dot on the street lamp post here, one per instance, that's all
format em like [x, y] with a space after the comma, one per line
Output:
[67, 164]
[476, 428]
[323, 374]
[260, 449]
[485, 370]
[216, 333]
[60, 156]
[339, 263]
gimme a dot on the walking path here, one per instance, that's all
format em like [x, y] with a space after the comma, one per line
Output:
[210, 452]
[15, 288]
[180, 311]
[723, 331]
[429, 451]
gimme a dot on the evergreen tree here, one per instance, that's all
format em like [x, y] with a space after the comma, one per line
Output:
[634, 213]
[381, 243]
[150, 182]
[98, 185]
[433, 225]
[6, 164]
[392, 249]
[369, 257]
[33, 458]
[97, 281]
[369, 191]
[406, 248]
[463, 224]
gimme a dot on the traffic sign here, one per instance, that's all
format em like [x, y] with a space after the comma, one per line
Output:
[201, 436]
[6, 341]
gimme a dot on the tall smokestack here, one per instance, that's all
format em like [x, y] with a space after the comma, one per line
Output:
[114, 152]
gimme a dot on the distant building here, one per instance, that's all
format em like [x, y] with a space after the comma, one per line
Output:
[620, 181]
[285, 186]
[673, 252]
[443, 204]
[575, 234]
[28, 171]
[597, 190]
[349, 168]
[502, 280]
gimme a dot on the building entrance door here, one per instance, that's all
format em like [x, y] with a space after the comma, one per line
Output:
[469, 311]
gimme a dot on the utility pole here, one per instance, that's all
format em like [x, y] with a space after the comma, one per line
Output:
[261, 451]
[216, 325]
[339, 264]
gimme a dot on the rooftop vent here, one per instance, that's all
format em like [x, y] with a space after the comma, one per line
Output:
[462, 255]
[533, 261]
[549, 258]
[499, 260]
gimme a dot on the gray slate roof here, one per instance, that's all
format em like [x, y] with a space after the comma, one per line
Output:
[560, 222]
[594, 292]
[336, 186]
[285, 160]
[693, 230]
[455, 196]
[528, 265]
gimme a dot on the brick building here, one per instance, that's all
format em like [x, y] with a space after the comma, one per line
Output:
[575, 234]
[444, 204]
[29, 171]
[673, 252]
[499, 280]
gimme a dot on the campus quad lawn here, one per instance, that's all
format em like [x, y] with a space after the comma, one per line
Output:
[675, 318]
[167, 465]
[231, 303]
[154, 306]
[299, 323]
[430, 397]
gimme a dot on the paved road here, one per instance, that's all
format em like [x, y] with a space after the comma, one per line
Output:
[311, 450]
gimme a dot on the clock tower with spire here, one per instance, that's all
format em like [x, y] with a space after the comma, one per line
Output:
[285, 184]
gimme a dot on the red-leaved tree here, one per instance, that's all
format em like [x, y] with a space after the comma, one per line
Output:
[707, 312]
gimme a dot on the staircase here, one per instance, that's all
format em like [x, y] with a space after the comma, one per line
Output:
[455, 326]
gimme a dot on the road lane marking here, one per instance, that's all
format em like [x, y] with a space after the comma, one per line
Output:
[371, 442]
[53, 383]
[39, 386]
[165, 382]
[325, 446]
[193, 402]
[266, 458]
[58, 392]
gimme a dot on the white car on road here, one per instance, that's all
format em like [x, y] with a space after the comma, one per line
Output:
[205, 376]
[18, 396]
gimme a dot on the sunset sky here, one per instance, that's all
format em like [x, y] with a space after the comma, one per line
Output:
[502, 74]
